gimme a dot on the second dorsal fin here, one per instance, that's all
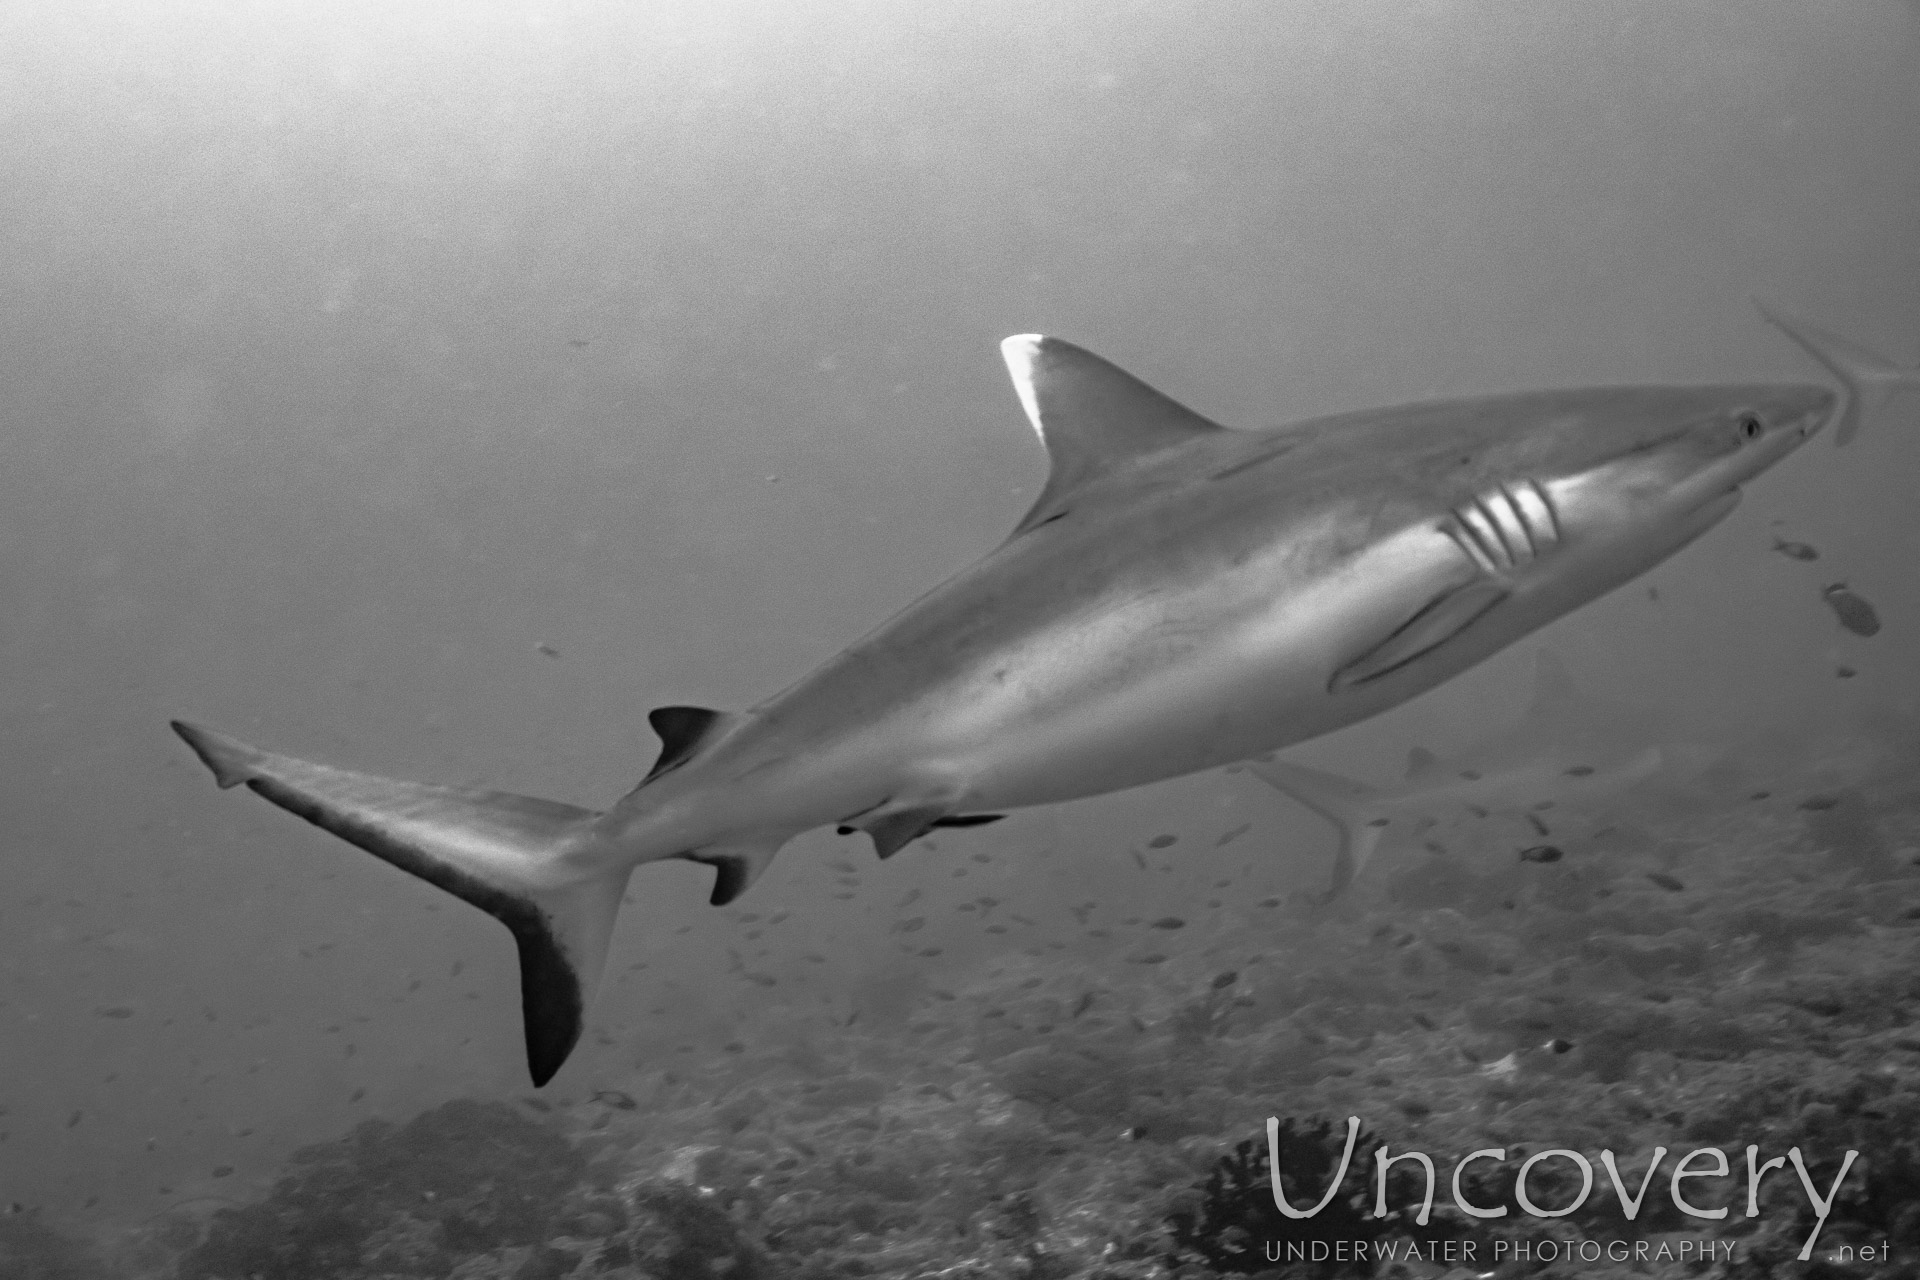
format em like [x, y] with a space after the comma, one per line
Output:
[1091, 415]
[683, 731]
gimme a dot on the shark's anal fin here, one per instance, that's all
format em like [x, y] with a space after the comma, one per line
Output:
[1092, 416]
[735, 866]
[506, 854]
[1440, 620]
[1353, 807]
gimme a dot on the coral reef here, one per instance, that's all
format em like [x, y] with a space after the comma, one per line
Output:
[465, 1178]
[1745, 973]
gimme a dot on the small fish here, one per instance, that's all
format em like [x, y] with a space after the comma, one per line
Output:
[1845, 672]
[1796, 550]
[223, 1171]
[579, 344]
[1539, 828]
[616, 1099]
[1162, 842]
[1665, 881]
[1230, 836]
[1817, 804]
[1137, 858]
[1855, 614]
[114, 1011]
[1542, 853]
[1558, 1045]
[1169, 922]
[549, 650]
[913, 925]
[1222, 981]
[1579, 771]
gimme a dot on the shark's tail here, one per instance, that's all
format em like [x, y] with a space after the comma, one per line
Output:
[1869, 379]
[1353, 807]
[528, 863]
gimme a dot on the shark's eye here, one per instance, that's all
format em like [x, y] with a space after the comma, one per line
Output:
[1751, 428]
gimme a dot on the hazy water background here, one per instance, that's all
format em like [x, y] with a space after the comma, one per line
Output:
[296, 439]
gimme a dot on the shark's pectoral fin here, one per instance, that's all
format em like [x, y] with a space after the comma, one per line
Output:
[736, 866]
[1443, 618]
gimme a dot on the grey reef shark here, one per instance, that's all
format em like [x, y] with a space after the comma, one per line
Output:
[1536, 790]
[1180, 596]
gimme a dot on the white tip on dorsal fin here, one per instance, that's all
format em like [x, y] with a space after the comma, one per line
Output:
[1091, 415]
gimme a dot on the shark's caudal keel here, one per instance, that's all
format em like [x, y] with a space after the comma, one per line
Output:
[1180, 596]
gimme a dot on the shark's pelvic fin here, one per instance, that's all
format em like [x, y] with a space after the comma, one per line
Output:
[1353, 807]
[1440, 620]
[894, 829]
[1093, 417]
[1868, 378]
[505, 854]
[683, 731]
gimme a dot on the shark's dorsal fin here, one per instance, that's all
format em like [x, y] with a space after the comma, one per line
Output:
[683, 730]
[1091, 415]
[1421, 763]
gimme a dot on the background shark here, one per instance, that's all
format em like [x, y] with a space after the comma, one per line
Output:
[1872, 379]
[1549, 780]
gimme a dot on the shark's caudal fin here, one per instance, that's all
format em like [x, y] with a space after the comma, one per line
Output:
[1353, 807]
[1869, 379]
[503, 853]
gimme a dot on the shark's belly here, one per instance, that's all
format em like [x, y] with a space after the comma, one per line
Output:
[1158, 687]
